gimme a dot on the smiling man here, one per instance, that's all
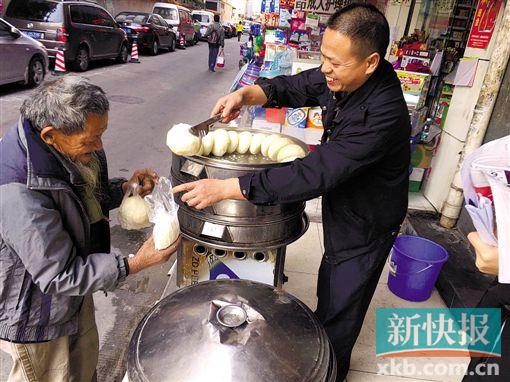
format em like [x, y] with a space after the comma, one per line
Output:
[360, 168]
[55, 197]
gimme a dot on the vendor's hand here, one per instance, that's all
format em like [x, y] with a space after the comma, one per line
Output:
[487, 256]
[206, 192]
[148, 255]
[145, 178]
[229, 106]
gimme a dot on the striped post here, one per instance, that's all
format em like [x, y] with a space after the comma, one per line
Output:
[134, 53]
[60, 64]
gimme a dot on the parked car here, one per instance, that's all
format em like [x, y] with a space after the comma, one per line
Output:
[149, 30]
[22, 58]
[83, 30]
[246, 27]
[180, 18]
[229, 31]
[205, 18]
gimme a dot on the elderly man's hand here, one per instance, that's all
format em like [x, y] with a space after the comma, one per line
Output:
[145, 178]
[148, 255]
[206, 192]
[487, 256]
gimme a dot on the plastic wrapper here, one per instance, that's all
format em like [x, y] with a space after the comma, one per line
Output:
[163, 213]
[133, 211]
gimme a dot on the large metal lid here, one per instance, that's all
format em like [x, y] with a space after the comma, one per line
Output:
[229, 330]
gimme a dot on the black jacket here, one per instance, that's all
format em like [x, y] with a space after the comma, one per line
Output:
[361, 167]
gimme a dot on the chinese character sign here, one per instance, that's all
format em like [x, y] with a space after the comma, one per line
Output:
[321, 6]
[483, 23]
[441, 332]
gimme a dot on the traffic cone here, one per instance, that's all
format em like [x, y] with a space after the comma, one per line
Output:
[134, 54]
[60, 63]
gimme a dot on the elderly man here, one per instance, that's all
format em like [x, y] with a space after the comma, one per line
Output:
[360, 168]
[55, 196]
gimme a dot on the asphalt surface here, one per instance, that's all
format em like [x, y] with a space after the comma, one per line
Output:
[146, 99]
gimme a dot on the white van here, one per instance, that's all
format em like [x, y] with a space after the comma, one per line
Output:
[205, 18]
[180, 18]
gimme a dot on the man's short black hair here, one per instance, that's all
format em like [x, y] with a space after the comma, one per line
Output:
[217, 18]
[365, 25]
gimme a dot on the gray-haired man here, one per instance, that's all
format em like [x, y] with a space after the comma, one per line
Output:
[54, 233]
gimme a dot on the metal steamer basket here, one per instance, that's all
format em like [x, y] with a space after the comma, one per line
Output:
[234, 239]
[230, 331]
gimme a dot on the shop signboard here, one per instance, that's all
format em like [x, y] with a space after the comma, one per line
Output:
[321, 6]
[483, 23]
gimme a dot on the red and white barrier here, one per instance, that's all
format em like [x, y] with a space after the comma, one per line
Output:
[60, 63]
[134, 54]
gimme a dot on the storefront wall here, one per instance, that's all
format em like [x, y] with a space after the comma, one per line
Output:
[457, 125]
[426, 16]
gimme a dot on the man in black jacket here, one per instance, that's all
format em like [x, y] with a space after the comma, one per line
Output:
[360, 168]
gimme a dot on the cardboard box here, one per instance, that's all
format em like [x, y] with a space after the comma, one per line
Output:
[415, 87]
[415, 179]
[276, 115]
[296, 117]
[262, 124]
[314, 118]
[421, 155]
[298, 65]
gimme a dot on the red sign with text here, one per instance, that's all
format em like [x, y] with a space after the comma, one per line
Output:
[483, 23]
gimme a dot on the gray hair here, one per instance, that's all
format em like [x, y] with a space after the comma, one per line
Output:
[64, 103]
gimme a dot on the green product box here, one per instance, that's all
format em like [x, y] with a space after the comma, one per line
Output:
[415, 179]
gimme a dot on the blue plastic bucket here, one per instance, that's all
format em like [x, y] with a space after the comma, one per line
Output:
[414, 265]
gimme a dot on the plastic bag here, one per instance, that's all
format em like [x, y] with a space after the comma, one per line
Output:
[220, 60]
[133, 211]
[163, 213]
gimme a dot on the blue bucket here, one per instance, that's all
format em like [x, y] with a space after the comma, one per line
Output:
[414, 265]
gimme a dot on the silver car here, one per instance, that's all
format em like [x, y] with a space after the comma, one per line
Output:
[22, 58]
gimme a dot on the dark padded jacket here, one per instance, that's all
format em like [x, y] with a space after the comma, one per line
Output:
[360, 168]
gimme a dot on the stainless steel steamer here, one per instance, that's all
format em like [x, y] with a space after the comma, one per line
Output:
[234, 239]
[230, 331]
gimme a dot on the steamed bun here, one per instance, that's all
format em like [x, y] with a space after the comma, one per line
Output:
[207, 144]
[180, 140]
[276, 146]
[244, 142]
[266, 142]
[234, 141]
[256, 142]
[221, 142]
[290, 153]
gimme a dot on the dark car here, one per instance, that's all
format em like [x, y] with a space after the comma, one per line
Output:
[83, 30]
[149, 30]
[22, 59]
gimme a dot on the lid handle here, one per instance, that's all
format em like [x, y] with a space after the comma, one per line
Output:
[231, 316]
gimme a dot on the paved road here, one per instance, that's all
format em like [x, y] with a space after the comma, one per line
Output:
[146, 99]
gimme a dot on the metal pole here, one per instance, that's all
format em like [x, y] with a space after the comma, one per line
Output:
[409, 17]
[481, 117]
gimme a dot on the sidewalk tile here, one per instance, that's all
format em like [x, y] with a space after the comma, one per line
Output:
[303, 286]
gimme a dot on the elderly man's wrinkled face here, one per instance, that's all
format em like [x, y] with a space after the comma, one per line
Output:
[344, 70]
[78, 147]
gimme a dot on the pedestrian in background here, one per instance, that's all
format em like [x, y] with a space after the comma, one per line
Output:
[215, 35]
[239, 29]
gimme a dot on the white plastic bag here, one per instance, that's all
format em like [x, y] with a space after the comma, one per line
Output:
[133, 211]
[220, 59]
[163, 213]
